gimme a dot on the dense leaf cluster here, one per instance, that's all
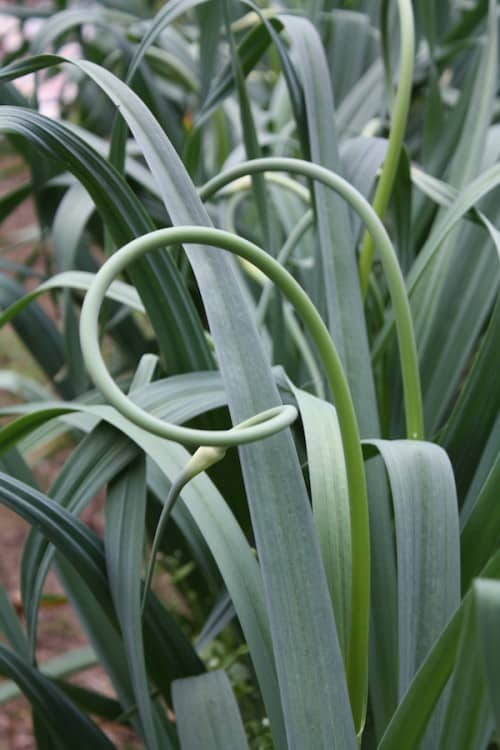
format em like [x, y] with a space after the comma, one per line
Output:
[293, 210]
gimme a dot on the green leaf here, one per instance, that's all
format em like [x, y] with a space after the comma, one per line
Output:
[466, 199]
[446, 331]
[444, 195]
[300, 612]
[11, 199]
[221, 614]
[209, 20]
[427, 544]
[124, 543]
[38, 332]
[410, 718]
[250, 139]
[330, 501]
[466, 721]
[57, 712]
[475, 410]
[67, 664]
[483, 523]
[270, 469]
[165, 296]
[10, 626]
[80, 280]
[250, 50]
[335, 284]
[71, 537]
[207, 713]
[487, 595]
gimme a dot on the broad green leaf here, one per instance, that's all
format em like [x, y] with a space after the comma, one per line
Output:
[330, 501]
[487, 595]
[210, 21]
[163, 18]
[444, 195]
[103, 635]
[250, 387]
[348, 34]
[410, 718]
[295, 90]
[98, 458]
[427, 545]
[82, 552]
[72, 216]
[466, 720]
[124, 543]
[363, 102]
[70, 536]
[91, 701]
[236, 562]
[207, 713]
[12, 462]
[60, 23]
[484, 467]
[224, 537]
[332, 277]
[362, 158]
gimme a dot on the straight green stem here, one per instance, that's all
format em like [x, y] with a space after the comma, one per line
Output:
[398, 126]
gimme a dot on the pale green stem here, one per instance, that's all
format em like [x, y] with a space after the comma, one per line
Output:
[200, 461]
[244, 184]
[305, 352]
[275, 419]
[357, 662]
[283, 257]
[399, 117]
[390, 263]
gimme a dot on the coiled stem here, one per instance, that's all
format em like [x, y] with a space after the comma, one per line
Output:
[278, 418]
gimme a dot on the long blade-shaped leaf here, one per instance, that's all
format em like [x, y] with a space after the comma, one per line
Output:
[330, 500]
[237, 563]
[487, 595]
[59, 715]
[427, 543]
[466, 721]
[336, 285]
[410, 718]
[207, 713]
[124, 543]
[164, 293]
[300, 612]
